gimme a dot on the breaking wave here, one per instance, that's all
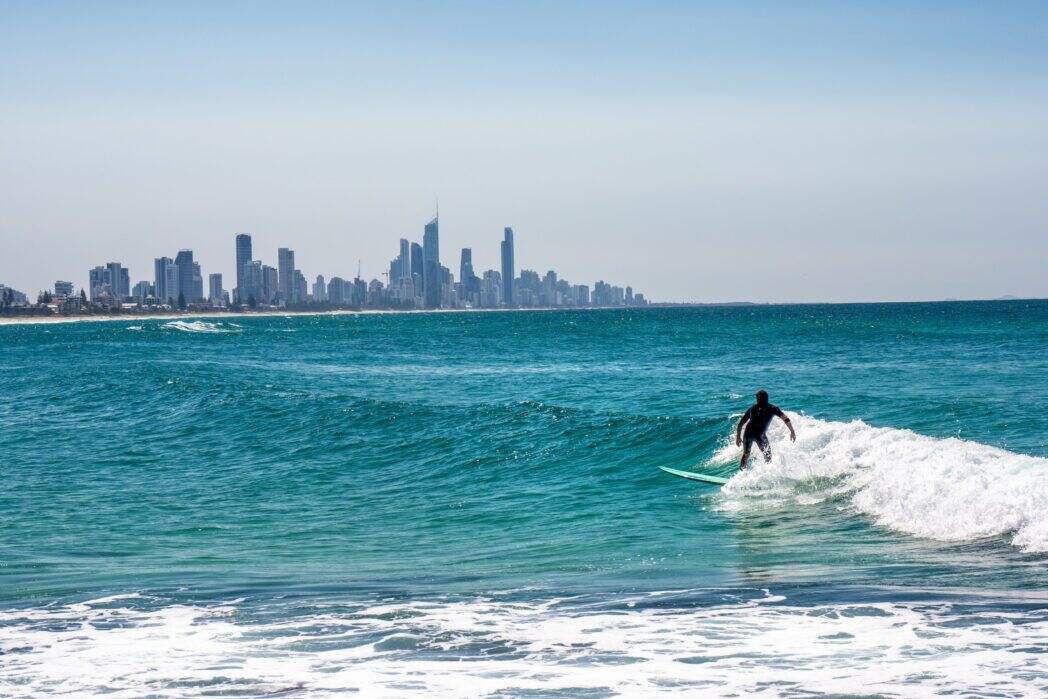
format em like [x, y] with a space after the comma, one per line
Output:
[945, 489]
[200, 326]
[650, 644]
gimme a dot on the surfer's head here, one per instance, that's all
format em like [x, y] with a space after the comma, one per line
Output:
[762, 396]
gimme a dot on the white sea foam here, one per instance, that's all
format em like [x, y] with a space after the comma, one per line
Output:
[135, 328]
[510, 648]
[199, 326]
[945, 489]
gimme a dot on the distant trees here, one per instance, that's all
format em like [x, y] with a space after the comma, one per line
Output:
[181, 301]
[44, 297]
[251, 302]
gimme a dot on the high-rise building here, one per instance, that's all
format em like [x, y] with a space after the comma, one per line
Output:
[97, 282]
[405, 259]
[338, 291]
[299, 287]
[400, 267]
[319, 290]
[269, 280]
[465, 264]
[63, 289]
[198, 283]
[119, 280]
[243, 258]
[417, 264]
[286, 268]
[431, 275]
[507, 267]
[215, 294]
[160, 289]
[491, 289]
[186, 276]
[171, 290]
[251, 292]
[142, 292]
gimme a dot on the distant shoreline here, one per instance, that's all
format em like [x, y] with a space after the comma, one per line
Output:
[193, 315]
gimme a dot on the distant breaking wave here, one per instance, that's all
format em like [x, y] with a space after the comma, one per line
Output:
[199, 326]
[944, 489]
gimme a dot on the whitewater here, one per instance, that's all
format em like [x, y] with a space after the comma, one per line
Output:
[472, 505]
[946, 489]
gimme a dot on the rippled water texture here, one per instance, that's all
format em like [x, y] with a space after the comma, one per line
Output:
[470, 503]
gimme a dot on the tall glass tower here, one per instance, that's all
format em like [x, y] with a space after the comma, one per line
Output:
[431, 264]
[186, 286]
[466, 265]
[507, 267]
[286, 272]
[243, 259]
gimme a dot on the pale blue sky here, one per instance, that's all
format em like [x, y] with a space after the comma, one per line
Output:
[699, 151]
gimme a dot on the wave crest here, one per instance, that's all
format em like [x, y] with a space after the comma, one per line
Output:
[945, 489]
[199, 326]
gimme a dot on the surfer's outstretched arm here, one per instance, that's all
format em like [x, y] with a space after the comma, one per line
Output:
[793, 435]
[738, 428]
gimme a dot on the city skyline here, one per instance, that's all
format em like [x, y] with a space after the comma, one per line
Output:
[831, 152]
[416, 278]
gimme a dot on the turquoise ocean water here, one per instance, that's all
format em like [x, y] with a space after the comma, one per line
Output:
[469, 504]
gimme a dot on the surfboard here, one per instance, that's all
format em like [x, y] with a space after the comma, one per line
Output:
[704, 477]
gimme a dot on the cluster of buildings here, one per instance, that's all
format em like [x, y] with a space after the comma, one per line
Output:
[416, 279]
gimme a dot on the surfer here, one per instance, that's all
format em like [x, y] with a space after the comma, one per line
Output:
[756, 419]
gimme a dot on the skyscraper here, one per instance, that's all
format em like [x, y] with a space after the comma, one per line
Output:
[171, 277]
[416, 262]
[269, 284]
[466, 266]
[319, 290]
[160, 289]
[400, 267]
[97, 282]
[507, 267]
[215, 288]
[286, 270]
[431, 285]
[243, 258]
[251, 293]
[119, 280]
[299, 287]
[186, 276]
[405, 259]
[198, 283]
[141, 292]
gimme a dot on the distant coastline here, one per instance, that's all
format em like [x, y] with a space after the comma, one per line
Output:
[193, 315]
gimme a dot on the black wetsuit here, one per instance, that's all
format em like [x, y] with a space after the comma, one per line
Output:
[757, 419]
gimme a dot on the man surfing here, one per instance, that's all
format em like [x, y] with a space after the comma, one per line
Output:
[756, 419]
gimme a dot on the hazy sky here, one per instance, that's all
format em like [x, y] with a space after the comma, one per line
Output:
[781, 151]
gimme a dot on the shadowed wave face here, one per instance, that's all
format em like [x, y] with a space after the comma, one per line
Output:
[358, 498]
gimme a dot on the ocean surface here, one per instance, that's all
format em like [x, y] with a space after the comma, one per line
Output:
[470, 504]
